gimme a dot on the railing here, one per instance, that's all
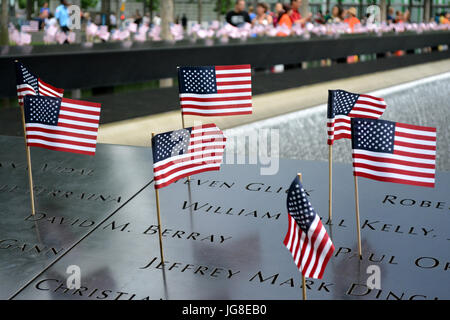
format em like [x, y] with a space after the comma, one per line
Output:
[108, 64]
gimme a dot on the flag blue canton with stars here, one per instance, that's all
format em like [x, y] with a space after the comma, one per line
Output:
[170, 144]
[298, 205]
[373, 135]
[199, 80]
[26, 77]
[43, 110]
[341, 102]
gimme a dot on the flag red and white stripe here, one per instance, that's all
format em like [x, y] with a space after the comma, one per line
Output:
[312, 250]
[45, 89]
[48, 90]
[76, 130]
[366, 106]
[233, 97]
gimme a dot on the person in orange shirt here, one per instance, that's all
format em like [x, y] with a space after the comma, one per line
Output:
[284, 19]
[352, 20]
[399, 17]
[445, 19]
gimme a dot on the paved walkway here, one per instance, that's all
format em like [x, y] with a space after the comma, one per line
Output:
[138, 131]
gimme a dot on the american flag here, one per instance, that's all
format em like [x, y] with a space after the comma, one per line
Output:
[61, 124]
[394, 152]
[215, 90]
[31, 26]
[306, 238]
[29, 84]
[343, 105]
[181, 153]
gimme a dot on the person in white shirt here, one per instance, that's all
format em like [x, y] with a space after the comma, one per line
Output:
[262, 18]
[112, 20]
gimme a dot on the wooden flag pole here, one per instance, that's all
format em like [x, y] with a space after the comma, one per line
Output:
[357, 218]
[182, 115]
[182, 123]
[159, 226]
[159, 220]
[330, 181]
[27, 149]
[30, 172]
[303, 277]
[182, 119]
[304, 287]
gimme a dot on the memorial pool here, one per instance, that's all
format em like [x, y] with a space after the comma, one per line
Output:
[423, 102]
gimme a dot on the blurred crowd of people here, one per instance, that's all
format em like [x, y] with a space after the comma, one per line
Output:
[288, 14]
[240, 22]
[283, 15]
[57, 25]
[61, 16]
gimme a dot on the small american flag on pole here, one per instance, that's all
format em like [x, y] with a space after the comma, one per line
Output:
[31, 26]
[61, 124]
[181, 153]
[394, 152]
[343, 105]
[215, 90]
[306, 238]
[29, 84]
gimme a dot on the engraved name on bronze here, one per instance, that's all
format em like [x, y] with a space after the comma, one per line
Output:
[41, 191]
[394, 200]
[276, 279]
[48, 168]
[197, 269]
[224, 185]
[169, 233]
[58, 286]
[31, 248]
[349, 254]
[208, 208]
[361, 290]
[423, 262]
[60, 220]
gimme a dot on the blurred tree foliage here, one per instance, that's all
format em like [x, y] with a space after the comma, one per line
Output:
[22, 4]
[223, 6]
[4, 38]
[85, 4]
[152, 5]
